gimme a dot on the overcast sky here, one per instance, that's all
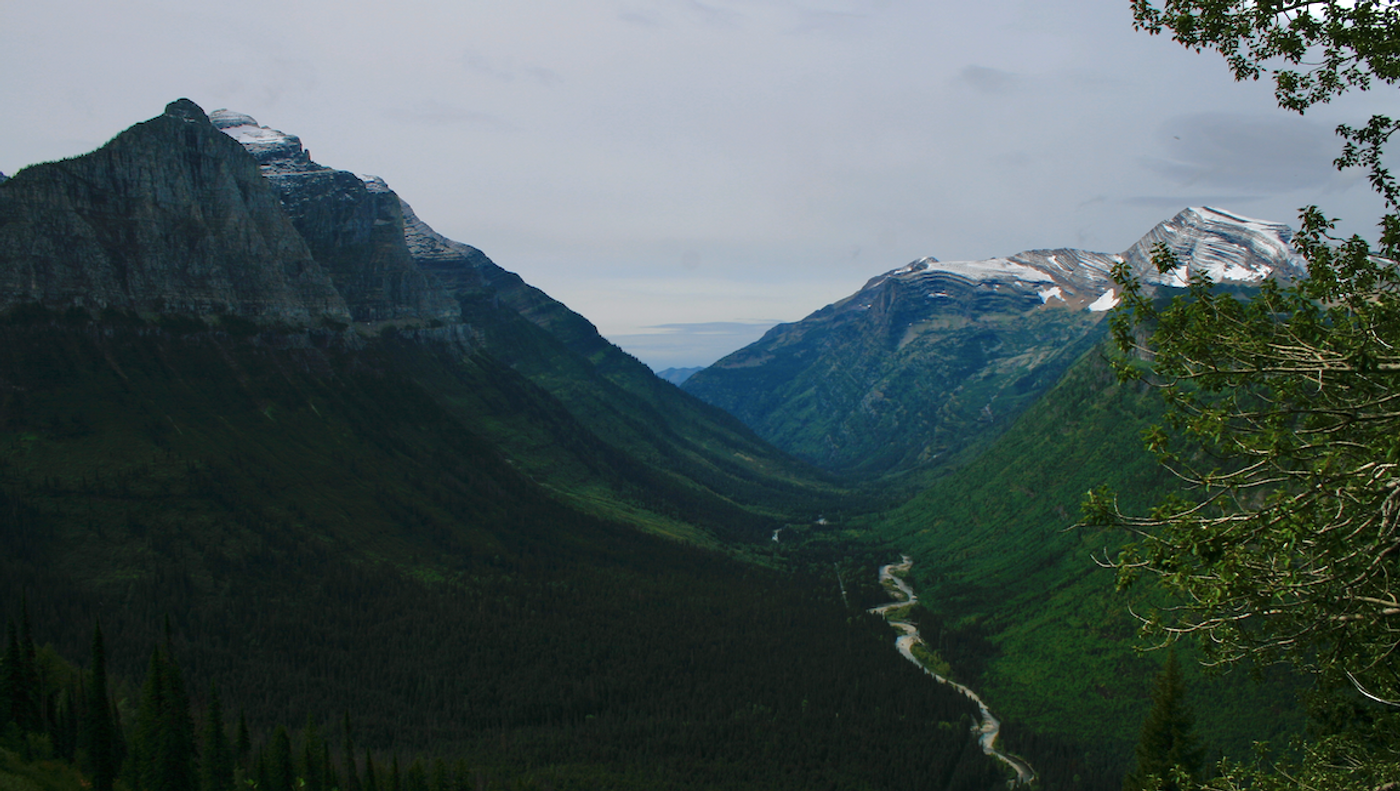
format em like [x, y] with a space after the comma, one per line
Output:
[683, 173]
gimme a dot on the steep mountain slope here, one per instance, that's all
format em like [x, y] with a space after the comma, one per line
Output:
[927, 363]
[1019, 601]
[675, 441]
[385, 518]
[131, 227]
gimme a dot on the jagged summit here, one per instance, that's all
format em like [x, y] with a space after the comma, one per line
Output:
[169, 216]
[354, 224]
[1228, 247]
[270, 147]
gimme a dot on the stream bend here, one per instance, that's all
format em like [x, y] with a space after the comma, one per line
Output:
[991, 726]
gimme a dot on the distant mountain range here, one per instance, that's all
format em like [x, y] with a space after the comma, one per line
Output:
[927, 362]
[678, 375]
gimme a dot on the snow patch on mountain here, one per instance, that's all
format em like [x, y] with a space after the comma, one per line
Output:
[990, 269]
[1228, 247]
[1106, 301]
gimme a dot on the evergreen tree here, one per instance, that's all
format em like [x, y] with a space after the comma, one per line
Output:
[441, 781]
[27, 711]
[352, 777]
[98, 737]
[216, 766]
[371, 778]
[242, 745]
[329, 778]
[313, 771]
[163, 751]
[12, 678]
[281, 776]
[416, 779]
[1167, 747]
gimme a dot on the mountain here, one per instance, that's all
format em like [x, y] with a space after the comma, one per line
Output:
[261, 417]
[1018, 601]
[139, 225]
[928, 362]
[663, 438]
[677, 376]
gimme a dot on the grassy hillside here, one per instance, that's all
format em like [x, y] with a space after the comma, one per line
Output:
[1014, 594]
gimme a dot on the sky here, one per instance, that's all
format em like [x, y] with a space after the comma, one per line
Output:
[686, 174]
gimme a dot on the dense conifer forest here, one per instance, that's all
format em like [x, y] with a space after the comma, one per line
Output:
[274, 532]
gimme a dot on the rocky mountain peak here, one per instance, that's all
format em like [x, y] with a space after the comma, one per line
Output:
[355, 226]
[271, 148]
[929, 359]
[169, 216]
[186, 110]
[1230, 248]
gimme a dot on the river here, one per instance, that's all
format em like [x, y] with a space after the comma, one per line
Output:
[991, 726]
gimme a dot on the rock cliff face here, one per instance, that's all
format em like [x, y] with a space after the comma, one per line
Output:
[928, 362]
[355, 227]
[168, 216]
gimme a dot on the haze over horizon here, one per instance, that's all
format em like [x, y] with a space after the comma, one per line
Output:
[686, 174]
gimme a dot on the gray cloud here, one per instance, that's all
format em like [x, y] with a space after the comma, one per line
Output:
[1176, 203]
[988, 80]
[508, 72]
[434, 113]
[1268, 153]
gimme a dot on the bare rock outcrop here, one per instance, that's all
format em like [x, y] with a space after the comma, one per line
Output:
[169, 216]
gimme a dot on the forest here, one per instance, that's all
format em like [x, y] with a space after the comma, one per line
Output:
[271, 542]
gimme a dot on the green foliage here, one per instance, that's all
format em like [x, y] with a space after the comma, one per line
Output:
[1279, 550]
[98, 731]
[1282, 408]
[216, 756]
[1018, 604]
[1284, 545]
[1315, 50]
[1167, 757]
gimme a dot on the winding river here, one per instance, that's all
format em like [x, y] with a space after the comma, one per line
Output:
[991, 726]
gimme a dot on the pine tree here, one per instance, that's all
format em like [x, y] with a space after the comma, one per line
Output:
[371, 776]
[440, 781]
[313, 771]
[281, 776]
[27, 710]
[416, 779]
[98, 737]
[352, 777]
[242, 745]
[1168, 745]
[9, 680]
[216, 766]
[163, 752]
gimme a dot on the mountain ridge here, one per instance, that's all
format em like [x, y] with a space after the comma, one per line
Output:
[927, 362]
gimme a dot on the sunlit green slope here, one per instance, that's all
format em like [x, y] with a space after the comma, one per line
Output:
[1034, 618]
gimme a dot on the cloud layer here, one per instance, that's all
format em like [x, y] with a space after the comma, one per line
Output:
[676, 162]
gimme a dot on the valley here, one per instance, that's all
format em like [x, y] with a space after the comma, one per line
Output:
[990, 726]
[260, 420]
